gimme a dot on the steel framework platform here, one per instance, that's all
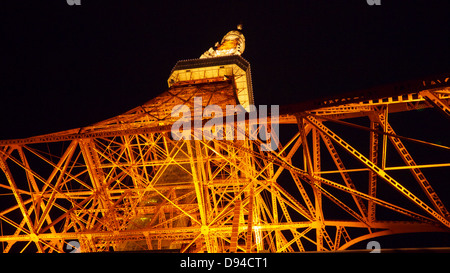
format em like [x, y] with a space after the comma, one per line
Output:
[125, 184]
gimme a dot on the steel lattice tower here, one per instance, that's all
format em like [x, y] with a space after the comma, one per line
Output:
[125, 184]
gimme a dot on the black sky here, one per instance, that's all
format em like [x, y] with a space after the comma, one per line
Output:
[69, 66]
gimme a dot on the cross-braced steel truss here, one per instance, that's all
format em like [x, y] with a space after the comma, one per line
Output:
[125, 184]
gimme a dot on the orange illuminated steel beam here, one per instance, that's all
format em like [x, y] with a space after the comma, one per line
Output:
[417, 173]
[379, 171]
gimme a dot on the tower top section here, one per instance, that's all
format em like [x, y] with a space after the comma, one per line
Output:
[221, 63]
[233, 43]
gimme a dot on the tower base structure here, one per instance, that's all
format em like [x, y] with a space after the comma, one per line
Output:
[126, 184]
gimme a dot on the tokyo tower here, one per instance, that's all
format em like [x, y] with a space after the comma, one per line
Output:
[320, 175]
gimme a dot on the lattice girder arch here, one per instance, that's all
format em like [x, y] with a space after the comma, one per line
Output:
[126, 184]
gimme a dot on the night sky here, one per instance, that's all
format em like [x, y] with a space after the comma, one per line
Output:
[66, 66]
